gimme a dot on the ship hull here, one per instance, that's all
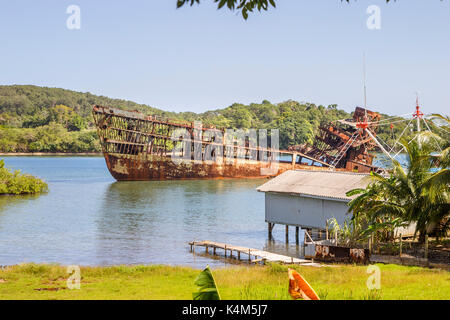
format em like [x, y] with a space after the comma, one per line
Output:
[135, 167]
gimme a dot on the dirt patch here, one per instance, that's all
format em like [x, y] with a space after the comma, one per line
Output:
[50, 289]
[413, 253]
[436, 254]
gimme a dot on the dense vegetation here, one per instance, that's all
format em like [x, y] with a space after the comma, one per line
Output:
[19, 183]
[416, 193]
[35, 119]
[39, 119]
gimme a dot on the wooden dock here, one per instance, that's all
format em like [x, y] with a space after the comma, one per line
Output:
[258, 255]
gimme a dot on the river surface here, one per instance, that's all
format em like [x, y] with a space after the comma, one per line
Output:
[87, 218]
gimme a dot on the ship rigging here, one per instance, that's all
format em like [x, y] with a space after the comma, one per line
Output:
[141, 147]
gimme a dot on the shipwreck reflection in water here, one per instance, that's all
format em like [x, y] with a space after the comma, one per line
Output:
[152, 221]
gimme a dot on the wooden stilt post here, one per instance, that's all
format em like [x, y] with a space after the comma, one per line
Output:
[239, 255]
[326, 229]
[304, 241]
[206, 249]
[225, 251]
[249, 256]
[269, 229]
[287, 233]
[426, 246]
[372, 242]
[214, 250]
[400, 251]
[296, 234]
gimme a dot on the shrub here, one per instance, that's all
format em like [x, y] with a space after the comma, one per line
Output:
[19, 183]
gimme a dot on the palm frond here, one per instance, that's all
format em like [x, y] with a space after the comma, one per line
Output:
[207, 286]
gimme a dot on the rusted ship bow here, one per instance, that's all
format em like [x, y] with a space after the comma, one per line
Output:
[141, 147]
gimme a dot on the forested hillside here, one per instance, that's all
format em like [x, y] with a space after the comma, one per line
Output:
[40, 119]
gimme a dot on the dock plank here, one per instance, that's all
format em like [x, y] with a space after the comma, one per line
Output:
[261, 255]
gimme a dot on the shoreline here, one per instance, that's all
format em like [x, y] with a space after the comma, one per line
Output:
[379, 260]
[58, 154]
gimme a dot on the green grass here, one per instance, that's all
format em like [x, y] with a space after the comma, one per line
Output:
[242, 282]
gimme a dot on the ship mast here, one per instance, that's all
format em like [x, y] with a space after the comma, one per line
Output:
[418, 114]
[363, 126]
[365, 91]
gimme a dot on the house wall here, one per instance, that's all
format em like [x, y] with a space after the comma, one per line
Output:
[407, 231]
[304, 211]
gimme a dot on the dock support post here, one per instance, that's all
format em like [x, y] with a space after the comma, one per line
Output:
[249, 256]
[304, 241]
[269, 229]
[225, 251]
[287, 234]
[214, 250]
[239, 255]
[296, 234]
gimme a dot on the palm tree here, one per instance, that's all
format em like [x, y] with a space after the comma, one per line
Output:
[418, 193]
[444, 132]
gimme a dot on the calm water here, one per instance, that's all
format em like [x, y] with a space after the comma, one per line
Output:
[89, 219]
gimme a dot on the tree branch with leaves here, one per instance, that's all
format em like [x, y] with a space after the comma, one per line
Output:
[244, 6]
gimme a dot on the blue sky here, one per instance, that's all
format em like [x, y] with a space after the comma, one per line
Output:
[199, 58]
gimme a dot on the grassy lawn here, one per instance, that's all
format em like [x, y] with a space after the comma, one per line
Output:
[242, 282]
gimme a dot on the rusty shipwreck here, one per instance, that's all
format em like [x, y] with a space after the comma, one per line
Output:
[141, 147]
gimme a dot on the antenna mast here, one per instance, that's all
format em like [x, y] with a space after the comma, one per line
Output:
[418, 114]
[365, 89]
[364, 126]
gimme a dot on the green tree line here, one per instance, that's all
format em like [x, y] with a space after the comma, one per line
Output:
[41, 119]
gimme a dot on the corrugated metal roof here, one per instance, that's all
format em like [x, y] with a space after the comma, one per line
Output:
[320, 184]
